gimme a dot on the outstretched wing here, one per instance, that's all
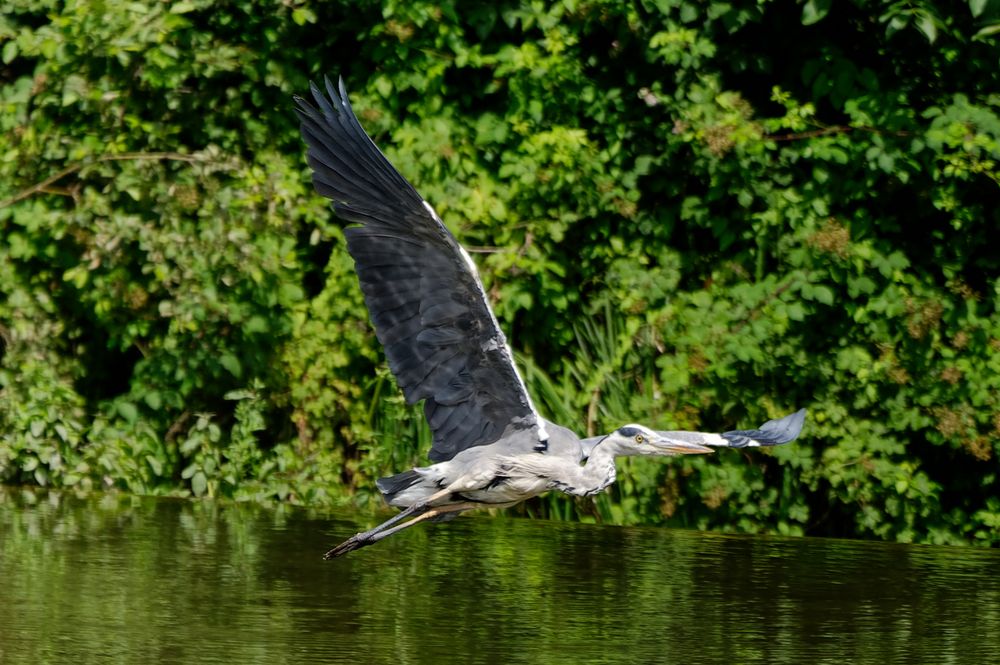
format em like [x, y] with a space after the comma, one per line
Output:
[771, 433]
[423, 294]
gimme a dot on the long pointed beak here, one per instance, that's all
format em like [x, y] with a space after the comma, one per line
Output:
[678, 447]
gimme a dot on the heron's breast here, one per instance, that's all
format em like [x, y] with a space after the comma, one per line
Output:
[508, 489]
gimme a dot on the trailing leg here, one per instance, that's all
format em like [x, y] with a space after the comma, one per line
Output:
[366, 537]
[386, 529]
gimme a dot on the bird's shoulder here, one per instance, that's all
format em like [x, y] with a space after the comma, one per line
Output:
[563, 443]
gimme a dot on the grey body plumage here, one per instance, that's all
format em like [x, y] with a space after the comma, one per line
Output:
[445, 347]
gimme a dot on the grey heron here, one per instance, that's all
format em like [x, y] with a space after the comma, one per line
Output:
[444, 346]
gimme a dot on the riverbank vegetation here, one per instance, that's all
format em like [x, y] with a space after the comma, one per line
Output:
[691, 214]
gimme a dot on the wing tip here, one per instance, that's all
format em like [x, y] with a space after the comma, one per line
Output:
[772, 433]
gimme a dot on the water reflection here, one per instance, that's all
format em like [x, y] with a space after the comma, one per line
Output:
[121, 579]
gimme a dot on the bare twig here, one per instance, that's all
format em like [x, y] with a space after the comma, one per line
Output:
[177, 426]
[834, 129]
[46, 185]
[595, 398]
[752, 314]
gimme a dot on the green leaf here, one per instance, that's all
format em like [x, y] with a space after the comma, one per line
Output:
[988, 31]
[303, 15]
[9, 52]
[155, 464]
[896, 23]
[927, 25]
[643, 163]
[256, 324]
[128, 411]
[384, 86]
[153, 400]
[860, 285]
[823, 294]
[290, 293]
[199, 483]
[37, 428]
[814, 11]
[232, 364]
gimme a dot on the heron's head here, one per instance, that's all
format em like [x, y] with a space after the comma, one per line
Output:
[640, 440]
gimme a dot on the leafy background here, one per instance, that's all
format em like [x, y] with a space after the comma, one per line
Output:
[694, 214]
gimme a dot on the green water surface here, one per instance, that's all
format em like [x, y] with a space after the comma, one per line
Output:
[120, 579]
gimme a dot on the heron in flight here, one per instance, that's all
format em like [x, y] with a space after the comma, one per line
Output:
[443, 344]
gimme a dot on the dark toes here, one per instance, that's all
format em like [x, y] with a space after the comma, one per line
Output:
[356, 541]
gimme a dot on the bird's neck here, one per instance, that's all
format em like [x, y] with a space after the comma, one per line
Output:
[594, 476]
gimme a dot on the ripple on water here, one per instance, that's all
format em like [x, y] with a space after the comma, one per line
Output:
[119, 579]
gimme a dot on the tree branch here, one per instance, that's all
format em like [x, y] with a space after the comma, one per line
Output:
[834, 129]
[753, 313]
[46, 184]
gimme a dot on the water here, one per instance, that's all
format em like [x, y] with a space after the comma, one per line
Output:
[117, 579]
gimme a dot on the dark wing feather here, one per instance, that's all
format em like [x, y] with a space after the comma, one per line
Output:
[771, 433]
[425, 299]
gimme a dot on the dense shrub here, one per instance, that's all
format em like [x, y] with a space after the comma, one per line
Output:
[698, 215]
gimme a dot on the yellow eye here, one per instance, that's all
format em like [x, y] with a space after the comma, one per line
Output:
[638, 438]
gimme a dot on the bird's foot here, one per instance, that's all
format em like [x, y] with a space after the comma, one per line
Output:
[355, 542]
[390, 526]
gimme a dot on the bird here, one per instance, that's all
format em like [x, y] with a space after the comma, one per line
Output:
[490, 446]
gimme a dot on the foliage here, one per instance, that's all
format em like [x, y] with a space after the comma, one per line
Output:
[699, 215]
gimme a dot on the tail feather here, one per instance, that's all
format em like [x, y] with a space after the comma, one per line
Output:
[771, 433]
[390, 486]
